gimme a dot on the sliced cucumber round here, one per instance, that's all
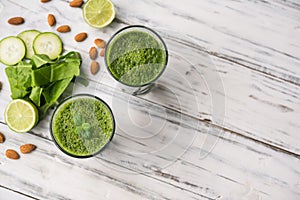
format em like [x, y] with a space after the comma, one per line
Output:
[12, 50]
[49, 44]
[28, 37]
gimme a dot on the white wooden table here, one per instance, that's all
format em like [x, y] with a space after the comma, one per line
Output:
[223, 123]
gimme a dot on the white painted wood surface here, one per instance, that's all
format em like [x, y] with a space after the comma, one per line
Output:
[247, 54]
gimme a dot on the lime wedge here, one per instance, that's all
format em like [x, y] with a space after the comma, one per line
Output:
[21, 116]
[98, 13]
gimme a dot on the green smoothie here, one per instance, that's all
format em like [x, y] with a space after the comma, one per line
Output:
[82, 126]
[136, 57]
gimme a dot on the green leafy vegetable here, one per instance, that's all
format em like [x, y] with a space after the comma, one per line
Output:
[35, 95]
[19, 78]
[40, 60]
[53, 92]
[55, 72]
[41, 80]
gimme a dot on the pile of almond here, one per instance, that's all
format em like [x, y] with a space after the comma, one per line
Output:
[101, 44]
[13, 154]
[52, 21]
[93, 54]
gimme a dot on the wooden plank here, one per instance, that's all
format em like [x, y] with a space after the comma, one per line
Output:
[6, 193]
[131, 153]
[161, 157]
[183, 152]
[249, 97]
[47, 172]
[236, 164]
[175, 158]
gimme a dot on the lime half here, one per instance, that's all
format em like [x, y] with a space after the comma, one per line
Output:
[21, 116]
[98, 13]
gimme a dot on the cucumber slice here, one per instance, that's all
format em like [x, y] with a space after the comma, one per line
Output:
[28, 37]
[49, 44]
[12, 50]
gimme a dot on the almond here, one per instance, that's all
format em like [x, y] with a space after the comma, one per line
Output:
[51, 20]
[0, 85]
[27, 148]
[80, 37]
[76, 3]
[12, 154]
[100, 43]
[64, 29]
[95, 67]
[16, 20]
[45, 1]
[102, 52]
[93, 53]
[2, 138]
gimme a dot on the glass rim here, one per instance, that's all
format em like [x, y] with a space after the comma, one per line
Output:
[65, 101]
[140, 27]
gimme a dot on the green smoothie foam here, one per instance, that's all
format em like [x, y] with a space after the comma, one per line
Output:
[82, 126]
[136, 58]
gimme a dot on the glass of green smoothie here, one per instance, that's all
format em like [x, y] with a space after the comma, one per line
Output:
[82, 125]
[136, 57]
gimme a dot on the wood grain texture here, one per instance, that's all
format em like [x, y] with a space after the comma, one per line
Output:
[266, 99]
[275, 98]
[159, 165]
[61, 177]
[7, 193]
[240, 31]
[252, 154]
[125, 154]
[260, 35]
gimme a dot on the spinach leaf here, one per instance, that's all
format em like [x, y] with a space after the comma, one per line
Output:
[35, 95]
[43, 81]
[53, 92]
[70, 55]
[39, 60]
[55, 72]
[19, 78]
